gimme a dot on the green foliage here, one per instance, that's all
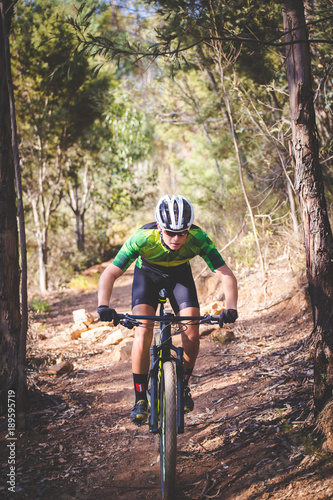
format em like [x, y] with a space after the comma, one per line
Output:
[151, 125]
[39, 305]
[83, 283]
[246, 252]
[302, 436]
[54, 108]
[81, 137]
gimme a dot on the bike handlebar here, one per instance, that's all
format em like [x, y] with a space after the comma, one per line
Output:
[134, 320]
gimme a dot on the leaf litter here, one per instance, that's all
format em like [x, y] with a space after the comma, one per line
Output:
[251, 435]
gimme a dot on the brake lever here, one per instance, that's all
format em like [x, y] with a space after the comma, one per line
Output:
[209, 320]
[129, 323]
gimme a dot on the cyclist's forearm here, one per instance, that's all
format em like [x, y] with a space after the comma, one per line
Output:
[104, 292]
[230, 291]
[229, 286]
[106, 283]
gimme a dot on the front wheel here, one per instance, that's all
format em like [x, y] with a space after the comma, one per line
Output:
[168, 430]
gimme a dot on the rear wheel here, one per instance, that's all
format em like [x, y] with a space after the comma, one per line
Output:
[168, 430]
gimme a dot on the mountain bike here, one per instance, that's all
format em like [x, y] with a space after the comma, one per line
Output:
[166, 386]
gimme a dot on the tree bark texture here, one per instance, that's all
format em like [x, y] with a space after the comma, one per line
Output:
[10, 319]
[310, 188]
[79, 231]
[42, 260]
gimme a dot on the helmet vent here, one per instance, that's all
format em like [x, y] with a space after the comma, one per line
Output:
[175, 214]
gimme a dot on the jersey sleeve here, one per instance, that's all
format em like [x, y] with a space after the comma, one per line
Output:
[130, 250]
[210, 254]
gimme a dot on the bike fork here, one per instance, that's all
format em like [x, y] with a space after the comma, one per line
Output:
[180, 390]
[153, 421]
[154, 396]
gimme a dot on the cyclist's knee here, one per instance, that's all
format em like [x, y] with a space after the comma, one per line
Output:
[192, 333]
[144, 334]
[191, 338]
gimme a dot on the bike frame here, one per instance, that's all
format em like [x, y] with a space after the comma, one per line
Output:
[163, 386]
[162, 352]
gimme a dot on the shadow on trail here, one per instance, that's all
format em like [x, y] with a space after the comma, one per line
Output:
[241, 440]
[254, 431]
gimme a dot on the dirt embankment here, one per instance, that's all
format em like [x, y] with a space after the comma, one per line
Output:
[250, 435]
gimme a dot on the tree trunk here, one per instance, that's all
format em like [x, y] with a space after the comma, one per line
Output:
[293, 211]
[22, 341]
[79, 201]
[42, 261]
[79, 231]
[10, 319]
[309, 184]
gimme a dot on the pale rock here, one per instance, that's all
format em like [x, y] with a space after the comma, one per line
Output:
[83, 316]
[95, 333]
[61, 368]
[97, 324]
[223, 336]
[75, 332]
[115, 338]
[213, 308]
[206, 330]
[82, 319]
[122, 351]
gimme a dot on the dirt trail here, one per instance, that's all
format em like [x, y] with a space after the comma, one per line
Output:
[249, 437]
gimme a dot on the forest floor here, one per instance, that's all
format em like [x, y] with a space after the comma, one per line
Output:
[251, 434]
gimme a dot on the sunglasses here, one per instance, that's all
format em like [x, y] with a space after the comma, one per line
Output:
[174, 233]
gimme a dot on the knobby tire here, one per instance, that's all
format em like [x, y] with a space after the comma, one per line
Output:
[157, 340]
[168, 430]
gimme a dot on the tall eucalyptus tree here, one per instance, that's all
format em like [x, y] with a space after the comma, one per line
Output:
[12, 342]
[309, 184]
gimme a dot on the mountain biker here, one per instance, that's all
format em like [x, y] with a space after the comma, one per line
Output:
[162, 250]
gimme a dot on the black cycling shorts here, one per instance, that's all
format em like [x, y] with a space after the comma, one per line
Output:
[178, 281]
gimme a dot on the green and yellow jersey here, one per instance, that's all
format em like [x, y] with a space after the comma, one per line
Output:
[146, 243]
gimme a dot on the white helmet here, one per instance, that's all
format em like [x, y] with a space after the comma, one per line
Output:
[174, 214]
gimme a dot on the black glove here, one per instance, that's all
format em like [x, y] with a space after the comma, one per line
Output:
[227, 316]
[107, 314]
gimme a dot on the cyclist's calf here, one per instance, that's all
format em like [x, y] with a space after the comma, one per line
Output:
[140, 350]
[190, 338]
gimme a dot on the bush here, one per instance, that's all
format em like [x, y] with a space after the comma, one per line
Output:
[81, 283]
[39, 305]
